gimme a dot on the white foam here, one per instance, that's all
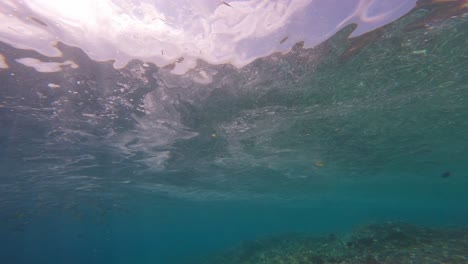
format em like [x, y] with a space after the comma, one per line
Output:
[41, 66]
[162, 31]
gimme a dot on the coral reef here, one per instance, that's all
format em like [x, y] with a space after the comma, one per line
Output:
[370, 244]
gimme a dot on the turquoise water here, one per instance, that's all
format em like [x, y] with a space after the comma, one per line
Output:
[137, 165]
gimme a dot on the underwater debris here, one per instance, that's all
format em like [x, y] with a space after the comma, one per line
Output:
[38, 21]
[224, 3]
[53, 85]
[420, 52]
[159, 19]
[14, 30]
[283, 40]
[319, 163]
[371, 244]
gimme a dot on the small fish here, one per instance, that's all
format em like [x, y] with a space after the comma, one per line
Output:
[446, 174]
[283, 40]
[37, 20]
[224, 3]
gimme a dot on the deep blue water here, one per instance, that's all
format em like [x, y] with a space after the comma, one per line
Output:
[166, 233]
[140, 166]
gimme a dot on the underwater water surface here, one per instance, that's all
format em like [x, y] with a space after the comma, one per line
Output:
[149, 132]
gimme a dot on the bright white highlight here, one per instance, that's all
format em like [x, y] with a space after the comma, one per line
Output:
[163, 32]
[41, 66]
